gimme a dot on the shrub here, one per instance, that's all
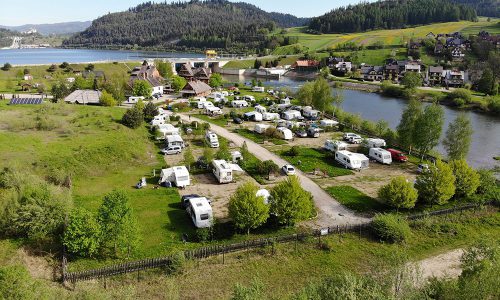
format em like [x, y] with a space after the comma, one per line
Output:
[437, 185]
[294, 151]
[133, 118]
[466, 178]
[150, 111]
[391, 228]
[16, 283]
[107, 99]
[6, 67]
[460, 97]
[399, 193]
[488, 188]
[177, 263]
[204, 234]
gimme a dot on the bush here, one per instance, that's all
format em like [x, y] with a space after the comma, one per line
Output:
[466, 178]
[391, 228]
[6, 67]
[133, 118]
[107, 99]
[294, 151]
[16, 283]
[460, 97]
[488, 188]
[177, 263]
[399, 193]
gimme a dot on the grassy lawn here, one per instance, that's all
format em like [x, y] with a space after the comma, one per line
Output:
[249, 63]
[258, 138]
[374, 56]
[354, 199]
[312, 159]
[220, 121]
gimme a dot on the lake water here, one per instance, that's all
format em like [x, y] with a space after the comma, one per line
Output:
[371, 106]
[57, 56]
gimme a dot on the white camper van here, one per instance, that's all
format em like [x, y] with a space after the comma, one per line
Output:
[375, 143]
[380, 155]
[178, 176]
[200, 211]
[239, 103]
[285, 133]
[159, 120]
[291, 115]
[335, 146]
[267, 116]
[222, 171]
[261, 128]
[355, 161]
[212, 139]
[135, 99]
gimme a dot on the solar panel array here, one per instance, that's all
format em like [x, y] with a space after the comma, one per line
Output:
[14, 101]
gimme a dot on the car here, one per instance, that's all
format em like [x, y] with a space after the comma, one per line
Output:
[301, 133]
[172, 150]
[185, 199]
[288, 170]
[355, 139]
[237, 120]
[348, 135]
[422, 168]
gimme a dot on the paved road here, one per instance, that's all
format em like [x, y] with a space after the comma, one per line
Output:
[330, 212]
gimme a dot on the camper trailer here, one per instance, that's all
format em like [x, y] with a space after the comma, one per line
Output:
[335, 146]
[212, 139]
[311, 114]
[174, 140]
[267, 116]
[380, 155]
[375, 143]
[165, 130]
[239, 103]
[222, 171]
[291, 115]
[285, 133]
[264, 194]
[328, 123]
[354, 161]
[285, 101]
[249, 98]
[260, 109]
[213, 111]
[135, 99]
[261, 128]
[177, 176]
[159, 120]
[253, 116]
[200, 211]
[258, 89]
[199, 102]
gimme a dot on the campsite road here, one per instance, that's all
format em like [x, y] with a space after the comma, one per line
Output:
[330, 211]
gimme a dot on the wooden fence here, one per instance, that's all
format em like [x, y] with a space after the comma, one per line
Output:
[216, 250]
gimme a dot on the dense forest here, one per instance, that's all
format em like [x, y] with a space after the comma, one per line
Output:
[5, 34]
[288, 20]
[486, 8]
[390, 14]
[183, 25]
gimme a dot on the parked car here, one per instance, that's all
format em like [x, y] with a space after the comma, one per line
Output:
[348, 135]
[237, 120]
[422, 168]
[172, 150]
[398, 155]
[288, 170]
[301, 133]
[355, 139]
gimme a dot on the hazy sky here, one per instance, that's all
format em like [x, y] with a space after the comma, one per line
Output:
[53, 11]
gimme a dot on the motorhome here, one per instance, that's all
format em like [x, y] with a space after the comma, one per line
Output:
[328, 123]
[199, 102]
[239, 103]
[268, 116]
[261, 128]
[285, 133]
[213, 111]
[258, 89]
[236, 157]
[293, 124]
[174, 140]
[252, 116]
[375, 143]
[335, 146]
[159, 120]
[216, 95]
[291, 115]
[261, 109]
[380, 155]
[311, 114]
[200, 211]
[207, 104]
[354, 161]
[222, 171]
[212, 139]
[164, 130]
[177, 176]
[249, 98]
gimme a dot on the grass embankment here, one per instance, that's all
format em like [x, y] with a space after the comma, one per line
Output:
[249, 63]
[309, 159]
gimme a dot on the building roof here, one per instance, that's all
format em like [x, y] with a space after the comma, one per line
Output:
[174, 138]
[84, 97]
[437, 69]
[307, 63]
[148, 73]
[196, 87]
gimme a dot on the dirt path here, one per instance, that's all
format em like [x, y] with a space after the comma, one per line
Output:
[442, 265]
[330, 212]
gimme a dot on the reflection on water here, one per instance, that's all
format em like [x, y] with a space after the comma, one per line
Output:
[371, 106]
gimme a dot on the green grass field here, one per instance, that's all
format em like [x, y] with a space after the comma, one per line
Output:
[354, 199]
[249, 63]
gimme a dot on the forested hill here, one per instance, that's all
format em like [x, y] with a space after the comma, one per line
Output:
[288, 20]
[5, 37]
[486, 8]
[390, 14]
[194, 24]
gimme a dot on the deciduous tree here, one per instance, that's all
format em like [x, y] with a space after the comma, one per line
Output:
[248, 210]
[437, 185]
[399, 193]
[458, 137]
[133, 118]
[290, 202]
[411, 80]
[215, 80]
[107, 99]
[150, 111]
[408, 124]
[429, 128]
[178, 83]
[142, 89]
[466, 178]
[82, 236]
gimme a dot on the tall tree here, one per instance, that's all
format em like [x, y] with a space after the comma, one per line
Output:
[411, 80]
[82, 236]
[429, 127]
[150, 111]
[408, 124]
[437, 185]
[399, 193]
[142, 89]
[458, 137]
[178, 83]
[188, 158]
[487, 82]
[466, 178]
[305, 94]
[248, 210]
[290, 202]
[215, 80]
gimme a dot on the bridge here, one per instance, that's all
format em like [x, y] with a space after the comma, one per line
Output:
[212, 63]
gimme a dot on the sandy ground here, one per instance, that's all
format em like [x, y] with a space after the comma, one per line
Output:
[441, 266]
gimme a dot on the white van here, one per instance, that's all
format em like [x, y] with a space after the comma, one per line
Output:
[222, 171]
[239, 103]
[260, 109]
[380, 155]
[178, 176]
[212, 139]
[354, 161]
[200, 211]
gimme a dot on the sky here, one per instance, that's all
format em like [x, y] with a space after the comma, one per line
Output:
[13, 13]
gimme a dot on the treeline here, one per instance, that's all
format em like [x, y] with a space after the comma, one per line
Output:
[486, 8]
[390, 15]
[196, 24]
[288, 20]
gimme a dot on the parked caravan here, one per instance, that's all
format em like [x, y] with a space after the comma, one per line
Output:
[174, 140]
[313, 132]
[216, 95]
[159, 120]
[335, 146]
[165, 130]
[261, 128]
[258, 89]
[239, 103]
[249, 98]
[236, 156]
[267, 116]
[200, 211]
[285, 133]
[380, 155]
[291, 115]
[253, 116]
[375, 143]
[212, 139]
[328, 123]
[260, 109]
[311, 114]
[135, 99]
[222, 171]
[354, 161]
[177, 176]
[213, 111]
[285, 101]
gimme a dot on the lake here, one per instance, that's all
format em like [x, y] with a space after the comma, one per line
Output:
[57, 56]
[372, 106]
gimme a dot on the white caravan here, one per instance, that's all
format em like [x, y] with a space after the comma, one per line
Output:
[380, 155]
[335, 146]
[135, 99]
[178, 176]
[200, 211]
[213, 111]
[212, 139]
[328, 123]
[285, 101]
[165, 130]
[261, 128]
[200, 102]
[159, 120]
[285, 133]
[249, 98]
[222, 171]
[174, 140]
[267, 116]
[253, 116]
[375, 143]
[258, 89]
[355, 161]
[260, 109]
[311, 114]
[291, 115]
[239, 103]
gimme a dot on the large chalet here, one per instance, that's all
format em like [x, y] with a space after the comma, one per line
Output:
[149, 73]
[198, 74]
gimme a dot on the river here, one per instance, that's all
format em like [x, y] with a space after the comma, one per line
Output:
[372, 106]
[57, 56]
